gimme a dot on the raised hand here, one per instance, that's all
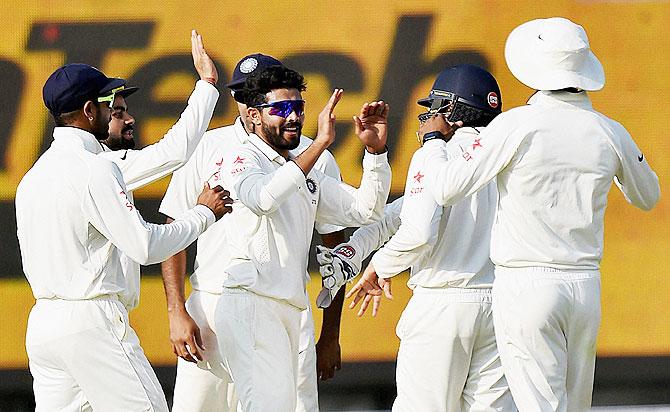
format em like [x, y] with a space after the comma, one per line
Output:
[371, 126]
[438, 122]
[326, 130]
[201, 60]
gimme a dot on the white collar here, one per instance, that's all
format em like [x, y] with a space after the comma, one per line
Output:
[265, 148]
[557, 98]
[78, 137]
[240, 130]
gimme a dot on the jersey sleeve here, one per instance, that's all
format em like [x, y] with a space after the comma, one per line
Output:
[343, 205]
[420, 218]
[261, 191]
[109, 210]
[635, 178]
[366, 239]
[453, 178]
[141, 167]
[328, 166]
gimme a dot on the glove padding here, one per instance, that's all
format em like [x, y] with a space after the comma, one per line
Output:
[336, 269]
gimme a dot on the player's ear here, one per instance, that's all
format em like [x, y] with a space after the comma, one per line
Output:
[90, 110]
[254, 115]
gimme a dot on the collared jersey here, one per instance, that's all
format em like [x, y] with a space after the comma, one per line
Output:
[74, 218]
[187, 182]
[141, 167]
[554, 161]
[270, 229]
[444, 246]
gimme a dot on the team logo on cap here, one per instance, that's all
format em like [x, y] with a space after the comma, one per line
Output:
[311, 185]
[248, 65]
[492, 100]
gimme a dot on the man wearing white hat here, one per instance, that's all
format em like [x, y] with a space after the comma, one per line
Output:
[554, 160]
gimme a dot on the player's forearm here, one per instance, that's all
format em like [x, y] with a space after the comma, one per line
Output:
[174, 275]
[308, 158]
[332, 315]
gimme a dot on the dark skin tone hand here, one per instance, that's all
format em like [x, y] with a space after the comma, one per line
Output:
[440, 124]
[328, 355]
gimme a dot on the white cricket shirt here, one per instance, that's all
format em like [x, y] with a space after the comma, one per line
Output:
[182, 193]
[72, 214]
[270, 229]
[554, 161]
[141, 167]
[444, 246]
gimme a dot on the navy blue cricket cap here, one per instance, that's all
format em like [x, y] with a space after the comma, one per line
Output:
[468, 84]
[249, 65]
[71, 86]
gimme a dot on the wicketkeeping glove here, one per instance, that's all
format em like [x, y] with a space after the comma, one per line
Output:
[337, 268]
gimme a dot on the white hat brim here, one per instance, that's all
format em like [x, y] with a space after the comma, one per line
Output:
[524, 59]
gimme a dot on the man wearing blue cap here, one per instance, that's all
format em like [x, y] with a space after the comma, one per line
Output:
[206, 386]
[74, 221]
[554, 161]
[448, 359]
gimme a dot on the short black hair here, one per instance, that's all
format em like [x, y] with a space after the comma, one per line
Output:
[65, 119]
[272, 78]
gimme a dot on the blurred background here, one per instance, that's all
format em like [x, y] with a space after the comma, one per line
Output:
[388, 50]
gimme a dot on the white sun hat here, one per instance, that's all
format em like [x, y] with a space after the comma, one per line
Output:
[553, 54]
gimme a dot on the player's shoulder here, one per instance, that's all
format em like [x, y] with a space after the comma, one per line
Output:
[100, 167]
[243, 153]
[225, 136]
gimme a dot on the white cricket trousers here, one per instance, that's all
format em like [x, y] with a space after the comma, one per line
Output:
[84, 356]
[207, 386]
[448, 359]
[259, 341]
[546, 323]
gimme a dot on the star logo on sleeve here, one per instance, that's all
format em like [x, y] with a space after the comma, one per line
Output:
[239, 160]
[418, 176]
[477, 143]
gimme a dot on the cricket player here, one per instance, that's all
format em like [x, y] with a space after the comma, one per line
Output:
[141, 167]
[280, 198]
[448, 360]
[554, 161]
[82, 352]
[207, 386]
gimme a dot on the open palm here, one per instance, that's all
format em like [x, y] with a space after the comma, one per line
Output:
[371, 125]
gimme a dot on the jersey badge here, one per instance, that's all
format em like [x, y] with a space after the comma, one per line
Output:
[311, 185]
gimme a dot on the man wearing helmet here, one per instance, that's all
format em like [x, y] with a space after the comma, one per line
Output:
[554, 161]
[448, 359]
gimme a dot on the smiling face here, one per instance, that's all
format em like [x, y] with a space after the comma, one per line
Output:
[121, 126]
[281, 133]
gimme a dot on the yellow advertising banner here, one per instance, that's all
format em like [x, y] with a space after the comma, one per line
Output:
[388, 50]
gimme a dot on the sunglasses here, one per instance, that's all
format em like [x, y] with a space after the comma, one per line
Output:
[110, 98]
[284, 108]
